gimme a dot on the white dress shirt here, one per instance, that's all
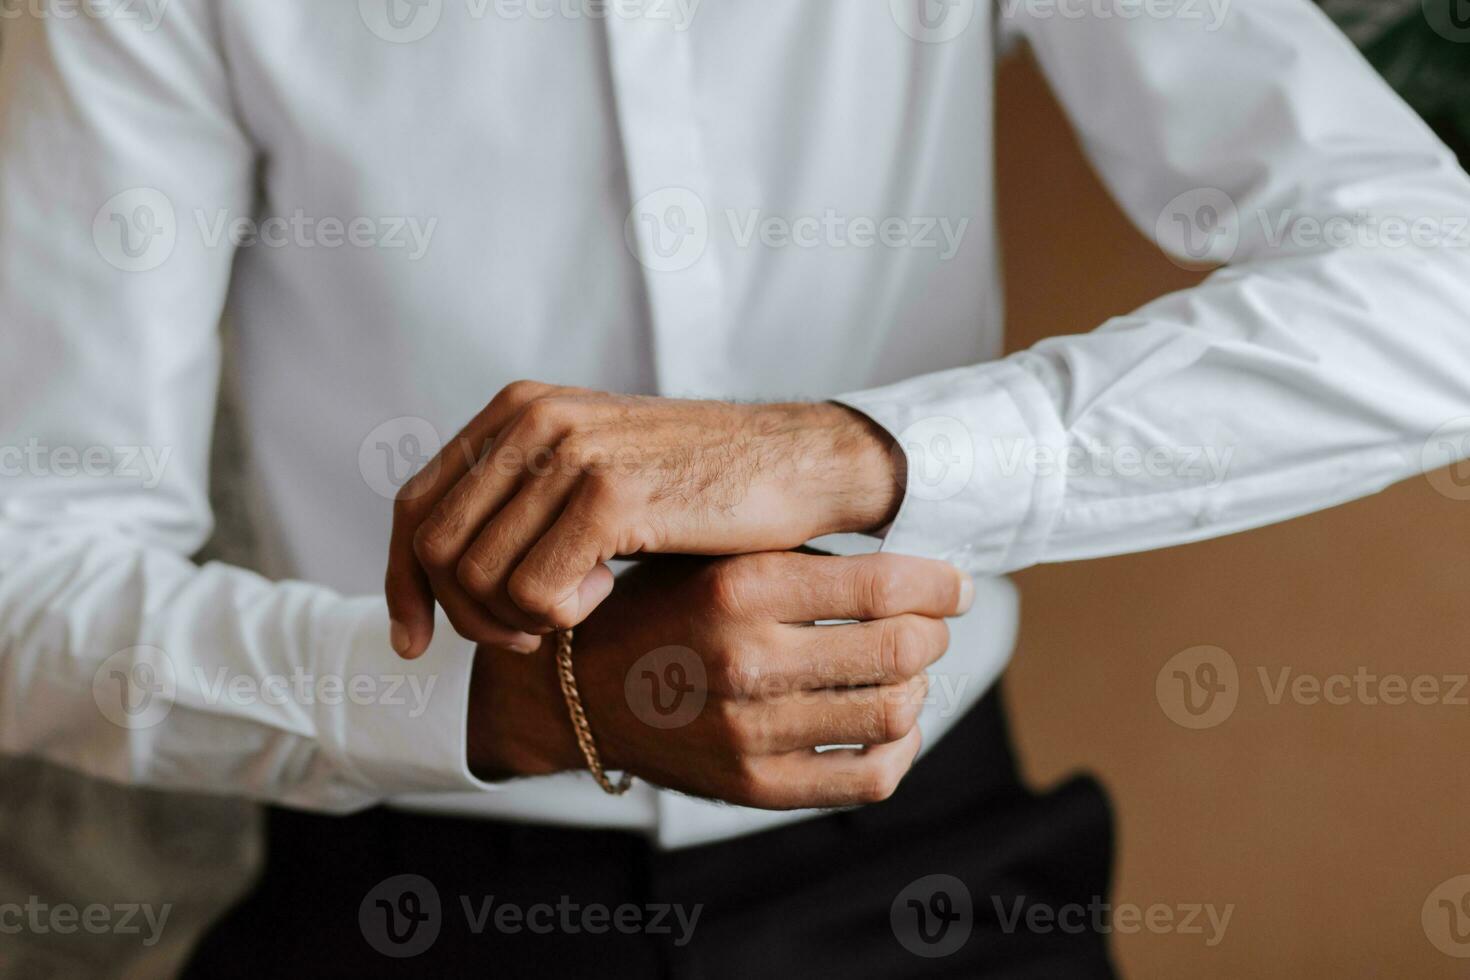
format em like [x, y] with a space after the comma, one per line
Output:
[732, 198]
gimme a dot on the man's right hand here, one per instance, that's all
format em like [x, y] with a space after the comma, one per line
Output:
[707, 676]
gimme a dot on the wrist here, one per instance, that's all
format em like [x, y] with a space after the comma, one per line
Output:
[862, 490]
[517, 720]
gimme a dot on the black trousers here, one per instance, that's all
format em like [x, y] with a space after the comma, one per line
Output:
[963, 873]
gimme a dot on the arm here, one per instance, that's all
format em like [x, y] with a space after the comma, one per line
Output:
[1301, 375]
[107, 392]
[1316, 367]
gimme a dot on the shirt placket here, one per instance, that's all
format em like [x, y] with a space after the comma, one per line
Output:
[668, 228]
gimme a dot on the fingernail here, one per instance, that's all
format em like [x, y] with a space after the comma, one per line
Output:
[398, 637]
[527, 645]
[967, 594]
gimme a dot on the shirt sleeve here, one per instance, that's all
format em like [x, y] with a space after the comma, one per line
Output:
[120, 657]
[1328, 357]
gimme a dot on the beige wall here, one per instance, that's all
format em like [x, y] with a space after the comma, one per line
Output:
[1325, 826]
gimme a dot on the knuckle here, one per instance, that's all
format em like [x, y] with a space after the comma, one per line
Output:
[892, 647]
[893, 718]
[542, 414]
[753, 787]
[734, 673]
[519, 392]
[878, 585]
[878, 784]
[726, 586]
[530, 596]
[473, 577]
[737, 732]
[432, 547]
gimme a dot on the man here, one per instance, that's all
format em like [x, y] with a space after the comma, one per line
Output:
[405, 208]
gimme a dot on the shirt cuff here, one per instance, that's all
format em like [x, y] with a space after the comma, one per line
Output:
[399, 726]
[974, 438]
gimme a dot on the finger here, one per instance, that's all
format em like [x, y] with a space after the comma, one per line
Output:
[806, 719]
[837, 777]
[410, 598]
[474, 622]
[552, 583]
[879, 651]
[515, 459]
[485, 568]
[806, 588]
[410, 603]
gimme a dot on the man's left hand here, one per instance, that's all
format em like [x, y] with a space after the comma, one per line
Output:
[511, 524]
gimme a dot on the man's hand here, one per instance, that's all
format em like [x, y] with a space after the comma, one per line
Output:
[706, 676]
[511, 524]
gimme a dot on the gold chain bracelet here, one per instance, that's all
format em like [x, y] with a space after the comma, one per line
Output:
[579, 718]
